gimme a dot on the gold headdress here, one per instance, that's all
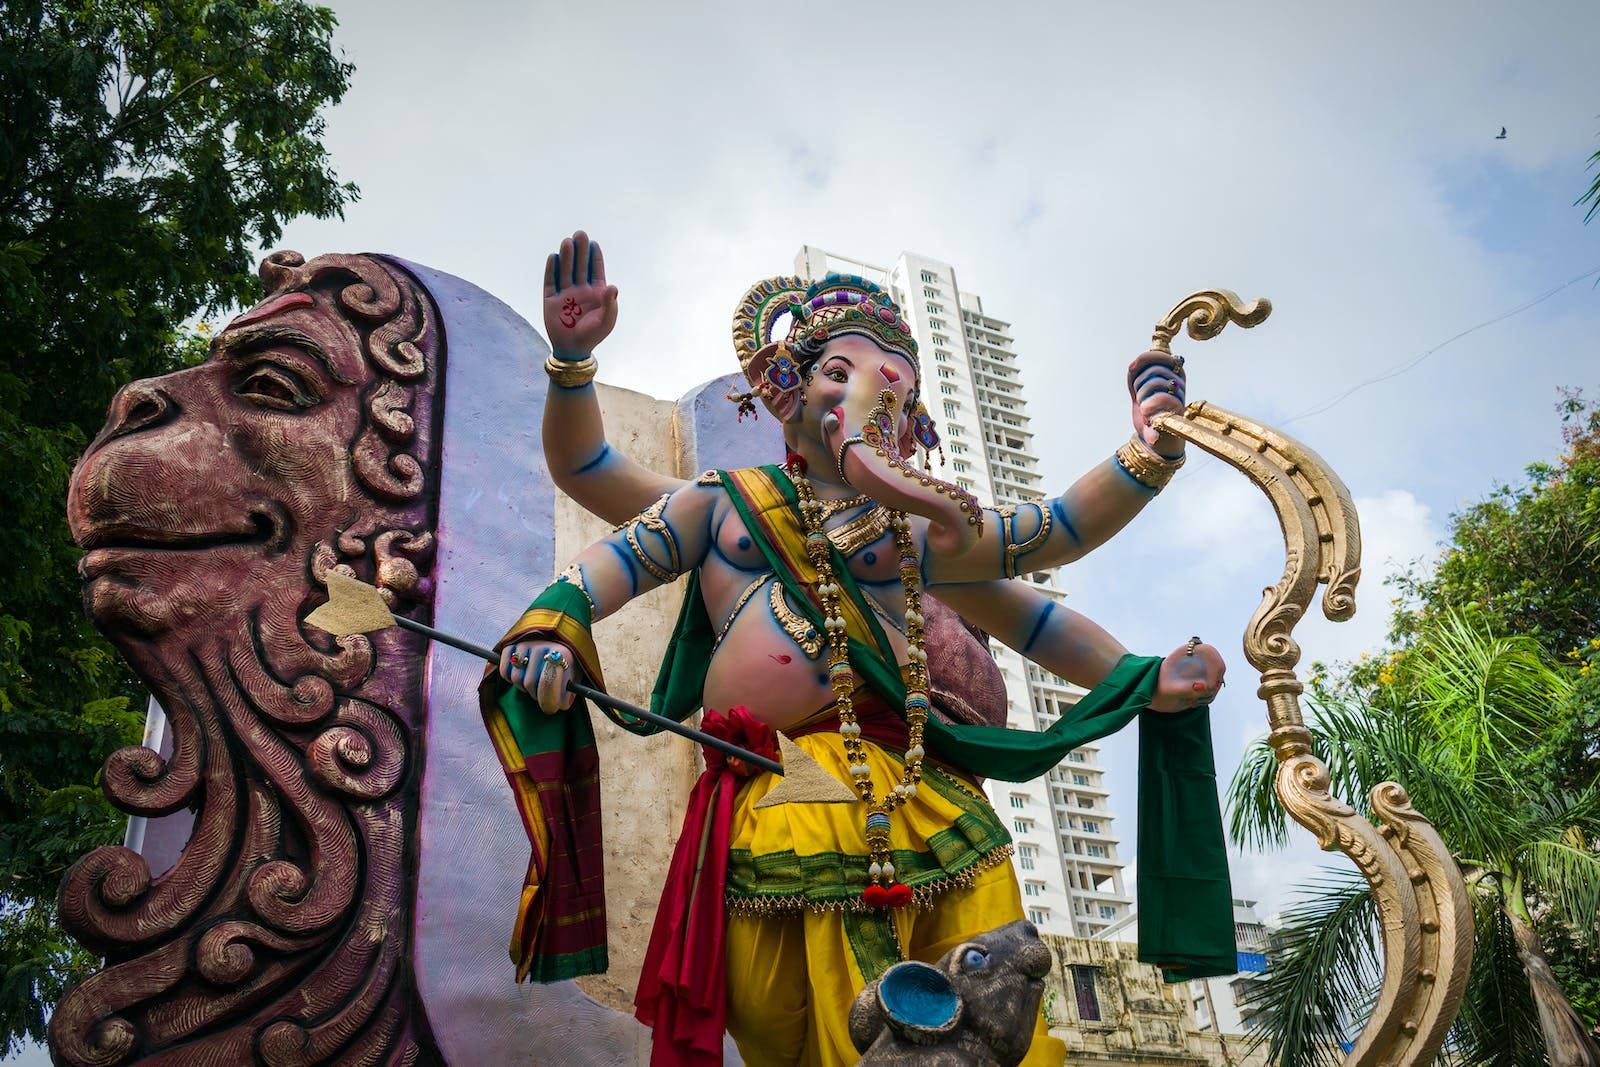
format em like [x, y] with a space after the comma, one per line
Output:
[838, 304]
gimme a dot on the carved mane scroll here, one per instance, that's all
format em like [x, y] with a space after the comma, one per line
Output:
[1423, 910]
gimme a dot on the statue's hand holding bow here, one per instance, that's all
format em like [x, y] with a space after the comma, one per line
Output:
[1156, 384]
[579, 307]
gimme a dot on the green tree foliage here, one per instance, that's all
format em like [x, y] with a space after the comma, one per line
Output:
[1525, 557]
[146, 148]
[1488, 710]
[1592, 197]
[1457, 719]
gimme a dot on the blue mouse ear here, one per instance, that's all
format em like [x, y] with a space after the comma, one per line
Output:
[919, 1001]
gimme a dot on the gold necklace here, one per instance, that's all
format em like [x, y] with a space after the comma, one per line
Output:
[884, 890]
[830, 508]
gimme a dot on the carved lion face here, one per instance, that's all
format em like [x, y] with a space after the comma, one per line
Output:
[289, 449]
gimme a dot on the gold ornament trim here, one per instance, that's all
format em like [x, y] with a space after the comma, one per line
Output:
[1145, 466]
[1014, 549]
[1423, 910]
[571, 374]
[573, 576]
[738, 605]
[650, 518]
[794, 624]
[923, 896]
[850, 537]
[1206, 313]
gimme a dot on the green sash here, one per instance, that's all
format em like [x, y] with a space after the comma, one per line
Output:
[1185, 898]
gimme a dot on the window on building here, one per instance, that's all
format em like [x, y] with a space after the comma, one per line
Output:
[931, 294]
[1098, 851]
[1016, 801]
[1085, 802]
[954, 431]
[1032, 889]
[1085, 993]
[1077, 757]
[1090, 826]
[935, 324]
[947, 390]
[940, 356]
[1077, 847]
[940, 339]
[1107, 911]
[929, 277]
[960, 465]
[1036, 916]
[933, 309]
[945, 372]
[1025, 856]
[949, 410]
[1080, 779]
[1022, 826]
[963, 483]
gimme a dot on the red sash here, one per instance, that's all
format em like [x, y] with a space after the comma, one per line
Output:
[683, 992]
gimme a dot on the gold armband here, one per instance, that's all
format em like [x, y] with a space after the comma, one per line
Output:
[1145, 466]
[651, 519]
[570, 374]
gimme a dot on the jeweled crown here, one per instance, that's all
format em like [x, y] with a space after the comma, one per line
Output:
[836, 305]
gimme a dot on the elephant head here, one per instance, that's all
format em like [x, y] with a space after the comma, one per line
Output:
[846, 384]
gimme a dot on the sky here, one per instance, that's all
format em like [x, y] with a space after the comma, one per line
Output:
[1083, 166]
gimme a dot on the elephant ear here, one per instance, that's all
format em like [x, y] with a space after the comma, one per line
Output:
[919, 1002]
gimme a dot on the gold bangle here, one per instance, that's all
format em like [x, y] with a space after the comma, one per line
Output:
[1146, 466]
[569, 374]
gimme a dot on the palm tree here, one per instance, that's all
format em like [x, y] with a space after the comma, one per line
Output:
[1462, 719]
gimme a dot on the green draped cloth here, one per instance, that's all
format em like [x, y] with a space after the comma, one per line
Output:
[1185, 898]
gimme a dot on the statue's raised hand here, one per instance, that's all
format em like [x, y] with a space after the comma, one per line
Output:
[1156, 384]
[579, 307]
[1190, 677]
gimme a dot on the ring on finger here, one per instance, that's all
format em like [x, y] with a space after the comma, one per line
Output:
[548, 690]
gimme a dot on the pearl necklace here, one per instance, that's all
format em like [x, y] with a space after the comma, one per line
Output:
[884, 890]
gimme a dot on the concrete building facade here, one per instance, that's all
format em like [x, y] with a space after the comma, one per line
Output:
[1066, 847]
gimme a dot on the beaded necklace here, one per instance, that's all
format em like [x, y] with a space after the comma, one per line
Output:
[884, 890]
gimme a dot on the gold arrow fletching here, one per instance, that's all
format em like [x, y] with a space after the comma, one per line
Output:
[804, 781]
[353, 607]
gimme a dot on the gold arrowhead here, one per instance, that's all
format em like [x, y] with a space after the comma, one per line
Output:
[353, 607]
[804, 781]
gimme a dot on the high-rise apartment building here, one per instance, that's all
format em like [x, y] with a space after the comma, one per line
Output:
[1066, 850]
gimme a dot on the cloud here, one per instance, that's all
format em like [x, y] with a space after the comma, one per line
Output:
[1083, 167]
[1398, 534]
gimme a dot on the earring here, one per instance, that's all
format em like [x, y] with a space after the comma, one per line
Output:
[926, 436]
[780, 375]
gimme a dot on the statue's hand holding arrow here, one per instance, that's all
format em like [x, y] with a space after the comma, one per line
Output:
[355, 607]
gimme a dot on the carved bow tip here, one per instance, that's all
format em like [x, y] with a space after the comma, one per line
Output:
[1206, 313]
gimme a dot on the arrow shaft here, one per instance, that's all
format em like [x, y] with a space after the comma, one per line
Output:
[605, 700]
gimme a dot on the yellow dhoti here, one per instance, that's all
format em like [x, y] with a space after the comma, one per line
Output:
[800, 946]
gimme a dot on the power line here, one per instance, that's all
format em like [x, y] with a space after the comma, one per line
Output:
[1396, 372]
[1320, 408]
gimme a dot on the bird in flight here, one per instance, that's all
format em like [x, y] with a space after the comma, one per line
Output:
[1501, 136]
